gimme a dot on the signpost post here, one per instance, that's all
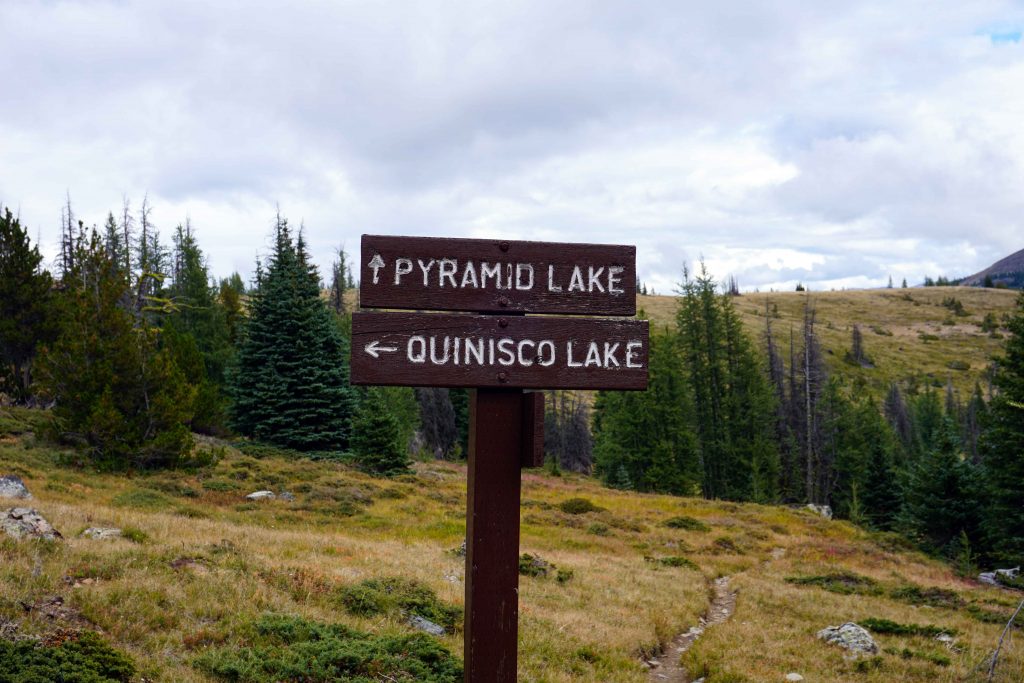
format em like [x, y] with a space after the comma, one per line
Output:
[498, 354]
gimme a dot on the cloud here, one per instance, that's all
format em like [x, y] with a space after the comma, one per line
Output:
[835, 145]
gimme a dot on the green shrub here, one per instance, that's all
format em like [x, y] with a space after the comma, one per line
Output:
[844, 583]
[279, 649]
[893, 628]
[933, 597]
[142, 499]
[564, 575]
[534, 565]
[134, 535]
[958, 365]
[83, 659]
[598, 529]
[673, 561]
[688, 523]
[578, 506]
[394, 595]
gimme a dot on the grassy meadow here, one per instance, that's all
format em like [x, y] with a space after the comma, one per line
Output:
[907, 332]
[200, 565]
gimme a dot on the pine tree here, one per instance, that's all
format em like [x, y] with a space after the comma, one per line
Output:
[118, 396]
[438, 426]
[377, 436]
[289, 384]
[26, 306]
[1003, 454]
[881, 497]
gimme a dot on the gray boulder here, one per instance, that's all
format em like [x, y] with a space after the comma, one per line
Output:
[101, 532]
[11, 486]
[261, 495]
[992, 578]
[823, 510]
[850, 636]
[26, 523]
[425, 625]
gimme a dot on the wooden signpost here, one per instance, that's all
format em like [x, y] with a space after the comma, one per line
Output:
[499, 354]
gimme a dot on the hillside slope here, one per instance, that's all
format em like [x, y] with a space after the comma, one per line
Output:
[907, 332]
[201, 565]
[1008, 271]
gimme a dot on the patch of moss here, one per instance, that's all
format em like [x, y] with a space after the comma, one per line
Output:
[85, 658]
[933, 597]
[885, 626]
[278, 648]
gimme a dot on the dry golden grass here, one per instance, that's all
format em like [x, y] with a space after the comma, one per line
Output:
[211, 562]
[895, 323]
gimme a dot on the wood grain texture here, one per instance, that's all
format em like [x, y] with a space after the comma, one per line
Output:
[551, 274]
[420, 349]
[533, 429]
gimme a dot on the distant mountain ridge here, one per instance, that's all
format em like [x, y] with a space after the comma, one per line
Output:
[1008, 271]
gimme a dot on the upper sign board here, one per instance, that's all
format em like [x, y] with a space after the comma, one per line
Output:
[487, 276]
[457, 350]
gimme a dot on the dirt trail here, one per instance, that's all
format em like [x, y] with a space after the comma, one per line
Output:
[666, 668]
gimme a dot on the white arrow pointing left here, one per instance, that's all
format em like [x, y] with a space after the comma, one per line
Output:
[375, 349]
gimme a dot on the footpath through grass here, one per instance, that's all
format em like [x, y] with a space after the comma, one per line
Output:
[207, 586]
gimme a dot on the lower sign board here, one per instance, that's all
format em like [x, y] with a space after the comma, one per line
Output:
[425, 349]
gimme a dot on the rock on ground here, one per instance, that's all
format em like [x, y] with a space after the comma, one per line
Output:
[286, 495]
[100, 532]
[823, 510]
[850, 636]
[794, 678]
[261, 495]
[425, 625]
[11, 486]
[992, 578]
[27, 523]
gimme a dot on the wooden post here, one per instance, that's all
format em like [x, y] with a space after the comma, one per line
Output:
[492, 535]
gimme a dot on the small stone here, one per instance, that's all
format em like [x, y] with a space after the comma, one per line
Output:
[850, 636]
[100, 532]
[27, 523]
[286, 495]
[823, 510]
[261, 495]
[794, 678]
[425, 625]
[11, 486]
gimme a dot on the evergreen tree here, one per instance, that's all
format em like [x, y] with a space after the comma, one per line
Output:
[230, 298]
[567, 437]
[377, 435]
[197, 332]
[460, 404]
[1002, 449]
[939, 502]
[881, 497]
[289, 385]
[438, 426]
[117, 395]
[642, 440]
[26, 306]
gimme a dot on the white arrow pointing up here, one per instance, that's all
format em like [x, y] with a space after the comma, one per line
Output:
[376, 263]
[375, 349]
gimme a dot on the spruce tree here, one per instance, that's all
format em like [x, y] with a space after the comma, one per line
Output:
[118, 396]
[289, 385]
[26, 305]
[1002, 451]
[377, 435]
[644, 438]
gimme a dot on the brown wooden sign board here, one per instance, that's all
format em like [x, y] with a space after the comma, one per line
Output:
[427, 349]
[449, 274]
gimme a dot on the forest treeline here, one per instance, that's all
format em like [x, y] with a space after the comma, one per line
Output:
[136, 346]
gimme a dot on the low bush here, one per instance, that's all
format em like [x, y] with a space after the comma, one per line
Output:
[85, 658]
[885, 626]
[279, 649]
[687, 523]
[394, 595]
[844, 583]
[578, 506]
[142, 499]
[932, 597]
[673, 561]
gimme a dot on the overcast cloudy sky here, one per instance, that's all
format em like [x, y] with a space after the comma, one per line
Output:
[831, 143]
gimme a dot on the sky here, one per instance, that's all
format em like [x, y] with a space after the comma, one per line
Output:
[833, 144]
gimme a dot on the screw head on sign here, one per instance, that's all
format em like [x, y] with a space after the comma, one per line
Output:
[504, 245]
[504, 301]
[502, 376]
[502, 322]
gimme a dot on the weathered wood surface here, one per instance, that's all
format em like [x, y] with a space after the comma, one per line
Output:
[449, 274]
[492, 535]
[533, 429]
[424, 349]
